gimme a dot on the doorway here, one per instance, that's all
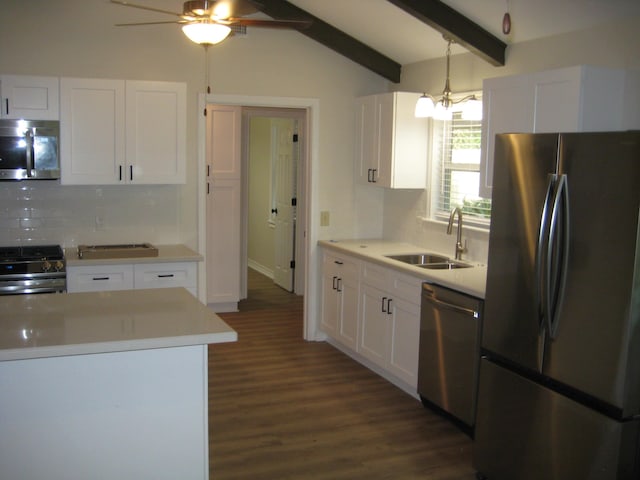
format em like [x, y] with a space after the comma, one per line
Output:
[273, 149]
[307, 207]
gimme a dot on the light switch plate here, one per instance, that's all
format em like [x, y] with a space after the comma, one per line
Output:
[324, 218]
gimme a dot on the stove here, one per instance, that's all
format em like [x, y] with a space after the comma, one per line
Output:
[32, 269]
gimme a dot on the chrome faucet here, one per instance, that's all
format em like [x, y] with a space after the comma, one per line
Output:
[460, 248]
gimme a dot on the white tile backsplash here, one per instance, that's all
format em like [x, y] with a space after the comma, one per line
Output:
[39, 212]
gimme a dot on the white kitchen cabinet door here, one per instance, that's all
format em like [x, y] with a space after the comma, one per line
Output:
[507, 106]
[30, 97]
[224, 142]
[367, 158]
[92, 133]
[155, 132]
[391, 147]
[99, 278]
[404, 340]
[223, 244]
[375, 325]
[340, 288]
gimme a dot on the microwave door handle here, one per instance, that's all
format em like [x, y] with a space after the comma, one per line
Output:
[28, 137]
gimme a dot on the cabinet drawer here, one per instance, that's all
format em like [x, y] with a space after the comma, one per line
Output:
[165, 275]
[396, 284]
[345, 267]
[96, 278]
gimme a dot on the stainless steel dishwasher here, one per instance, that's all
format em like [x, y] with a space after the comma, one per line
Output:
[449, 358]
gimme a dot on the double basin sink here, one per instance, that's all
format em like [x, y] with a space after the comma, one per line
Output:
[429, 261]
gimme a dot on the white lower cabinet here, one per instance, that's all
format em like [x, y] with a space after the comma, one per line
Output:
[390, 321]
[97, 278]
[375, 312]
[340, 298]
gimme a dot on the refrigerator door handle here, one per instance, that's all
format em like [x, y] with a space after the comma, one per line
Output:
[557, 258]
[541, 291]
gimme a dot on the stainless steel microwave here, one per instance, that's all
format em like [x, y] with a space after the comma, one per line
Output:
[29, 149]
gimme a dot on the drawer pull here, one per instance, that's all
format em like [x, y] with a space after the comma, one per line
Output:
[101, 278]
[166, 275]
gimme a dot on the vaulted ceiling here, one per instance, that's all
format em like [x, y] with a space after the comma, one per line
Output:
[383, 35]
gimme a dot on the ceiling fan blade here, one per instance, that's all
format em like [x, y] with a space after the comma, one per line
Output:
[252, 22]
[143, 7]
[148, 23]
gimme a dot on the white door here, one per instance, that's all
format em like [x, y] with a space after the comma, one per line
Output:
[284, 192]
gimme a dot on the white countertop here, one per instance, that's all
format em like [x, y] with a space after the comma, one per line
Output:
[166, 253]
[467, 280]
[61, 324]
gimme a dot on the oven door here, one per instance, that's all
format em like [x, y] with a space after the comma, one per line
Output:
[34, 284]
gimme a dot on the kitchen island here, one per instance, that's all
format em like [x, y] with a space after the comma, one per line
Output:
[106, 384]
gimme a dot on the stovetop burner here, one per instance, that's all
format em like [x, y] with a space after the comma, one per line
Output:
[31, 253]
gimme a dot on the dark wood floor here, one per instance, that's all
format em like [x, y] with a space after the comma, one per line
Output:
[282, 408]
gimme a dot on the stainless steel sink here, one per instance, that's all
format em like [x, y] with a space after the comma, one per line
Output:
[448, 265]
[419, 258]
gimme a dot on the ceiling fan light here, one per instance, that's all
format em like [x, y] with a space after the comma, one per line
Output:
[424, 107]
[206, 33]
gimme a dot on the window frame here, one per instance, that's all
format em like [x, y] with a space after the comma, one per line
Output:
[436, 175]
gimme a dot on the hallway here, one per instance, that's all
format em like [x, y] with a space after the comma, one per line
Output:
[283, 408]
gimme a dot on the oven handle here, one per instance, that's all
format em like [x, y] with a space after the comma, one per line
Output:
[28, 138]
[33, 286]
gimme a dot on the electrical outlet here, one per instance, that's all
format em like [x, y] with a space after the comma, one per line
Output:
[324, 218]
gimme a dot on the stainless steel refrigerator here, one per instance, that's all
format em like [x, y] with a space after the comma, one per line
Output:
[559, 388]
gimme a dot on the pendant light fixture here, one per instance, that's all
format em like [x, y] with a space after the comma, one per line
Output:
[442, 109]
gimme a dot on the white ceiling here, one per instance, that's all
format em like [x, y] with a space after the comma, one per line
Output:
[404, 39]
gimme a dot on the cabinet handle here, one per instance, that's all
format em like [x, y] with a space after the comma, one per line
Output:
[100, 278]
[339, 285]
[131, 172]
[384, 299]
[389, 306]
[208, 170]
[6, 103]
[373, 175]
[337, 262]
[166, 275]
[120, 173]
[334, 283]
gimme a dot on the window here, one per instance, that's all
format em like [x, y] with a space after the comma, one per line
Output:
[455, 170]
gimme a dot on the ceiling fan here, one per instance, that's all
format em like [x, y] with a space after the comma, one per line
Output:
[208, 22]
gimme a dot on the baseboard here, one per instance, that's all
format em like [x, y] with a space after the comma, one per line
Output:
[267, 272]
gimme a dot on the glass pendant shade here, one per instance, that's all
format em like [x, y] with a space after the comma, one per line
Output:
[472, 109]
[441, 112]
[206, 33]
[424, 107]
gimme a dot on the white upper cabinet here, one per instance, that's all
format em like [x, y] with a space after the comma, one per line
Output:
[122, 132]
[572, 99]
[391, 143]
[29, 97]
[155, 132]
[92, 131]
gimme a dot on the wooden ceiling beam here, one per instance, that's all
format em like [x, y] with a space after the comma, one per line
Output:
[456, 26]
[333, 38]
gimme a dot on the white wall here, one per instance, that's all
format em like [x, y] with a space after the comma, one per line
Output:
[77, 38]
[615, 44]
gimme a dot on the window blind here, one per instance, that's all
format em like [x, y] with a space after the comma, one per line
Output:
[456, 169]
